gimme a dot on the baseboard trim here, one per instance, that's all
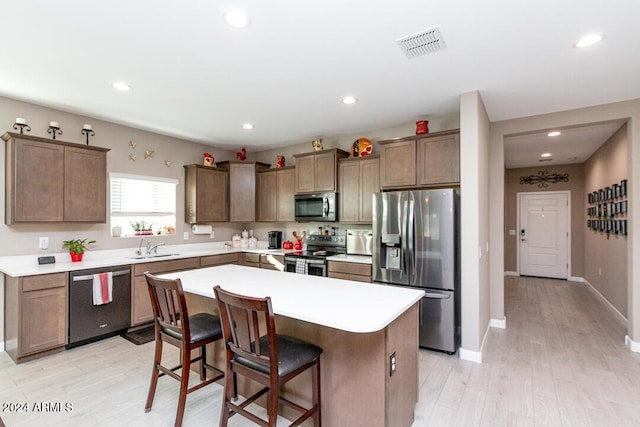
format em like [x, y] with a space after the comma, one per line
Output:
[498, 323]
[471, 356]
[633, 345]
[1, 346]
[511, 273]
[597, 292]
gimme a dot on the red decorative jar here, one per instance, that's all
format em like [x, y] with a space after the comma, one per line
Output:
[422, 127]
[297, 245]
[76, 257]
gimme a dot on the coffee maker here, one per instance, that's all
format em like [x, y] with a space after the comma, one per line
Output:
[275, 239]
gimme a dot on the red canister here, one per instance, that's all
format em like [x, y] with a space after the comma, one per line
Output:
[422, 127]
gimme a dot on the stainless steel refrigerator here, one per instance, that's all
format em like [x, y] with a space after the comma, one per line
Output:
[416, 243]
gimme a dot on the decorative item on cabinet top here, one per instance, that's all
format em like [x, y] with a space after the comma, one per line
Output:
[208, 159]
[361, 147]
[87, 130]
[422, 127]
[317, 145]
[280, 162]
[22, 124]
[54, 128]
[242, 154]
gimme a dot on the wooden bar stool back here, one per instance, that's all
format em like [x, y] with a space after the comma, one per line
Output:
[263, 356]
[174, 326]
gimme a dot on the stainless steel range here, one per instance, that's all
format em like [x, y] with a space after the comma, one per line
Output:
[313, 261]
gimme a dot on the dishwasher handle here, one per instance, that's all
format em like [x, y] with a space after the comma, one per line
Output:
[436, 296]
[90, 277]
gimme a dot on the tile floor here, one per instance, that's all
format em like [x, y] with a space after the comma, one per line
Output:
[561, 361]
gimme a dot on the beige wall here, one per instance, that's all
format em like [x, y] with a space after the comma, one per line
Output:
[578, 217]
[605, 256]
[474, 219]
[600, 113]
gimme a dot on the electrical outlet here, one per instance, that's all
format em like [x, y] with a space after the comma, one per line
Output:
[43, 243]
[185, 235]
[392, 364]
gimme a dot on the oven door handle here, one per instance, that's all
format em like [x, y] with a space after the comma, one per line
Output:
[90, 277]
[325, 206]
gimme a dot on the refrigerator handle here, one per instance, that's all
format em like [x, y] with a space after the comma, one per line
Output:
[411, 226]
[406, 258]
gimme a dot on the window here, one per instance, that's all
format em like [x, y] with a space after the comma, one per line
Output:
[143, 204]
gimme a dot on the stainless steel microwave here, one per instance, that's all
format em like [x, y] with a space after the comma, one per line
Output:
[322, 207]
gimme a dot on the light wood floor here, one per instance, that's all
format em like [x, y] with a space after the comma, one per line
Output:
[561, 361]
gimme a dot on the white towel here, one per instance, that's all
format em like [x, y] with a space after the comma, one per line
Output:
[301, 266]
[102, 288]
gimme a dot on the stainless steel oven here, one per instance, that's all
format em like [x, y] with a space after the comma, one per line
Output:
[316, 207]
[313, 261]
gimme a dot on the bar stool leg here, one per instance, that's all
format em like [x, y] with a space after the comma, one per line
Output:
[184, 384]
[315, 385]
[154, 375]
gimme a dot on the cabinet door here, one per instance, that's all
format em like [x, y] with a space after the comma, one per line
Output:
[267, 184]
[398, 164]
[325, 172]
[37, 182]
[242, 192]
[85, 185]
[141, 310]
[43, 315]
[286, 190]
[439, 160]
[369, 184]
[349, 203]
[211, 195]
[305, 174]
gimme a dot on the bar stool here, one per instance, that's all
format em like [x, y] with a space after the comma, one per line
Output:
[270, 359]
[173, 325]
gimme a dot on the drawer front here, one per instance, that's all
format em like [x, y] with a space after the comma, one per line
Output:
[45, 281]
[166, 266]
[211, 260]
[249, 257]
[343, 276]
[350, 268]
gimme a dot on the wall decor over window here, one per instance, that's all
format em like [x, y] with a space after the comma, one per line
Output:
[607, 209]
[544, 178]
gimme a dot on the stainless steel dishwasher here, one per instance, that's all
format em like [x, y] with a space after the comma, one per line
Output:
[88, 322]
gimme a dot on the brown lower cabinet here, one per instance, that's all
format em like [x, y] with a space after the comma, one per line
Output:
[350, 271]
[36, 315]
[266, 261]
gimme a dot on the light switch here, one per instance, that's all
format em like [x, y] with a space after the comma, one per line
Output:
[185, 235]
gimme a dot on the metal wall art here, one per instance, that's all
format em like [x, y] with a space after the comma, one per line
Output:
[544, 178]
[607, 211]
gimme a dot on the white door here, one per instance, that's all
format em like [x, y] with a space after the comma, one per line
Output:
[543, 234]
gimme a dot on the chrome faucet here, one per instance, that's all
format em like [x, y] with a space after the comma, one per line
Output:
[153, 249]
[139, 251]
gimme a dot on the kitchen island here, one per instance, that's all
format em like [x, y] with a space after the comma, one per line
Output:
[361, 328]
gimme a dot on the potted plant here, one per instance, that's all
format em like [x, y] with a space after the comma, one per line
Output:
[141, 228]
[76, 248]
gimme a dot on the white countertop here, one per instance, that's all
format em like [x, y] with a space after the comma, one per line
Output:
[341, 304]
[27, 265]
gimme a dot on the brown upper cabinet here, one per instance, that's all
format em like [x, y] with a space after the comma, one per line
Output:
[242, 189]
[359, 179]
[276, 189]
[206, 194]
[317, 171]
[421, 160]
[54, 181]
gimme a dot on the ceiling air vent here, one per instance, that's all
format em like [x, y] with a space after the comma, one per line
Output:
[424, 42]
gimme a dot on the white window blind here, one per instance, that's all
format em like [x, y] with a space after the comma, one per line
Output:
[141, 196]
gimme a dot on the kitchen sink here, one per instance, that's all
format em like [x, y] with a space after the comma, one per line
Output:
[151, 256]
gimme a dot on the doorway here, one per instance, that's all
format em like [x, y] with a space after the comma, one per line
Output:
[543, 234]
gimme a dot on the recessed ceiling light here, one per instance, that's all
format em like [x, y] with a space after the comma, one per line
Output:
[545, 155]
[121, 86]
[247, 126]
[236, 19]
[589, 40]
[349, 100]
[554, 133]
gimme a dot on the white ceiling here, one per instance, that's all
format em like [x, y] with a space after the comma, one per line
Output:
[573, 145]
[196, 78]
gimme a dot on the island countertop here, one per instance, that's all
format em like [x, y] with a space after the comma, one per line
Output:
[342, 304]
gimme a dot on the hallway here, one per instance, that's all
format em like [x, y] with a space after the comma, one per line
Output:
[561, 361]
